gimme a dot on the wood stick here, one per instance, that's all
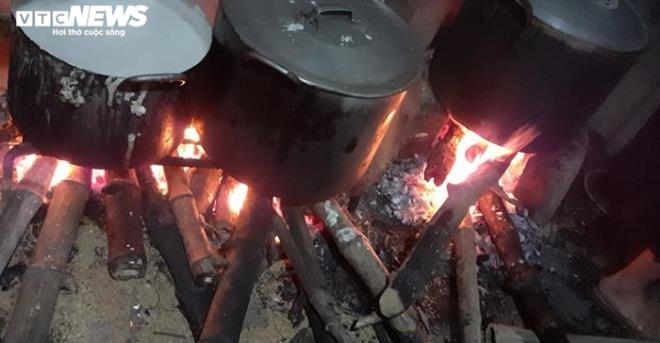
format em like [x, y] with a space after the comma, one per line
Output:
[193, 300]
[204, 185]
[357, 250]
[123, 206]
[202, 257]
[497, 333]
[41, 283]
[430, 256]
[310, 275]
[22, 204]
[467, 285]
[526, 289]
[246, 256]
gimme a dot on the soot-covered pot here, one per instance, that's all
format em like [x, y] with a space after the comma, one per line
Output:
[304, 92]
[107, 101]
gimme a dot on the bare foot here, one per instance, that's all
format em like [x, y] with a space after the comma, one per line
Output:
[633, 304]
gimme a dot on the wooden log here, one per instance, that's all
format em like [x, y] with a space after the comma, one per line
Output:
[357, 250]
[225, 216]
[467, 285]
[22, 204]
[202, 257]
[430, 256]
[123, 207]
[497, 333]
[309, 273]
[204, 185]
[525, 287]
[161, 225]
[246, 255]
[41, 283]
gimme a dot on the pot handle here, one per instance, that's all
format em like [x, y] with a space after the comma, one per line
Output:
[332, 10]
[174, 79]
[252, 55]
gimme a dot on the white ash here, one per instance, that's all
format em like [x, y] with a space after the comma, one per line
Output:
[401, 193]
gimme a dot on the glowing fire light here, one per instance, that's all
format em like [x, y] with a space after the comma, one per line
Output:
[61, 172]
[22, 164]
[161, 181]
[237, 198]
[467, 162]
[190, 147]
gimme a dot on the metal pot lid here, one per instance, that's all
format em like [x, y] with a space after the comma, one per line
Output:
[358, 48]
[608, 24]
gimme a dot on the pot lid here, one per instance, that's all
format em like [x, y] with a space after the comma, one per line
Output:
[609, 24]
[358, 48]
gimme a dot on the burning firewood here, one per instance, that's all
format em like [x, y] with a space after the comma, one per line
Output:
[524, 284]
[202, 258]
[22, 204]
[123, 205]
[193, 300]
[41, 284]
[204, 184]
[246, 255]
[357, 250]
[443, 153]
[299, 249]
[429, 258]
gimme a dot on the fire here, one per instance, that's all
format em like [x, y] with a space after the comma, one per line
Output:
[159, 175]
[190, 147]
[237, 198]
[61, 173]
[471, 152]
[22, 164]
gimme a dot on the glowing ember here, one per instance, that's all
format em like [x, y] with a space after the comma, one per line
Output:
[277, 206]
[276, 240]
[61, 173]
[237, 198]
[22, 164]
[159, 175]
[190, 147]
[99, 180]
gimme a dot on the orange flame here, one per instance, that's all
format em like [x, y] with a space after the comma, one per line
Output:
[237, 198]
[465, 166]
[161, 181]
[190, 148]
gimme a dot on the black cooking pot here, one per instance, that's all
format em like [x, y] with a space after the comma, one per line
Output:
[95, 118]
[304, 92]
[504, 64]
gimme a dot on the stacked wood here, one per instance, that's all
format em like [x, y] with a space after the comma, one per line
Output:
[22, 204]
[246, 256]
[46, 274]
[202, 258]
[523, 281]
[161, 225]
[123, 206]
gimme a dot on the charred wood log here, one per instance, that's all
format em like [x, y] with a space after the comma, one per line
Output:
[442, 155]
[204, 185]
[123, 205]
[357, 250]
[430, 256]
[22, 204]
[246, 255]
[307, 268]
[202, 258]
[41, 284]
[525, 287]
[467, 286]
[161, 225]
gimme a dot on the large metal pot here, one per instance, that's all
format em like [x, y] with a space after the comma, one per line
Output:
[106, 102]
[307, 92]
[550, 63]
